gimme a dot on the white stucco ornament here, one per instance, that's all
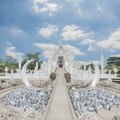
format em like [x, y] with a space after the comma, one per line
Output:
[97, 74]
[23, 73]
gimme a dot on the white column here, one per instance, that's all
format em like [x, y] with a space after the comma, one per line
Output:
[84, 67]
[36, 67]
[6, 70]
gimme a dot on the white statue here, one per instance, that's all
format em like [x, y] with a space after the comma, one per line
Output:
[115, 70]
[23, 73]
[36, 67]
[97, 75]
[6, 70]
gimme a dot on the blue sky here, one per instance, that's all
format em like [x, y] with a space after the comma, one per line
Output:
[87, 27]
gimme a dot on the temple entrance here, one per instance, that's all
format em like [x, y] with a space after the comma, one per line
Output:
[60, 61]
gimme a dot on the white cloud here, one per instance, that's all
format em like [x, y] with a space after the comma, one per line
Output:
[90, 44]
[96, 61]
[117, 55]
[16, 31]
[79, 11]
[91, 48]
[112, 43]
[49, 49]
[45, 46]
[11, 51]
[99, 8]
[48, 31]
[87, 41]
[73, 50]
[73, 32]
[9, 43]
[44, 6]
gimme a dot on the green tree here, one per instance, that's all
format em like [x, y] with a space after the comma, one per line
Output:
[2, 65]
[11, 63]
[113, 62]
[30, 56]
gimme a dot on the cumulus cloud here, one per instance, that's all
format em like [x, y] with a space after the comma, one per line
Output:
[73, 32]
[87, 41]
[48, 31]
[45, 46]
[44, 6]
[73, 50]
[11, 51]
[13, 30]
[112, 43]
[49, 49]
[90, 43]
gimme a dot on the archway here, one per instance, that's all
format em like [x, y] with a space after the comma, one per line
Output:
[60, 61]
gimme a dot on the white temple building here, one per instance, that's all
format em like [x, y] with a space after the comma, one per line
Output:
[61, 52]
[64, 57]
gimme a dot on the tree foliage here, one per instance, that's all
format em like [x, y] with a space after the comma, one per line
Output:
[11, 63]
[113, 62]
[2, 65]
[30, 56]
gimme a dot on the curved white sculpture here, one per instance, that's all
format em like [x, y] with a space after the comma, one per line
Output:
[36, 67]
[23, 73]
[88, 116]
[97, 75]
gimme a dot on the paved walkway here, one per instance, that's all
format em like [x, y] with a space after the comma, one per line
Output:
[59, 109]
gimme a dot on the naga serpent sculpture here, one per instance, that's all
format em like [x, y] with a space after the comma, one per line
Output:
[97, 74]
[23, 73]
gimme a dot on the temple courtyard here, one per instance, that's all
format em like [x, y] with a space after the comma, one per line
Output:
[60, 90]
[60, 100]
